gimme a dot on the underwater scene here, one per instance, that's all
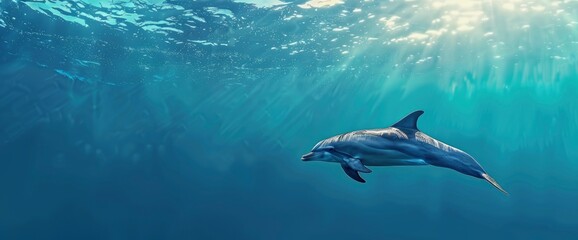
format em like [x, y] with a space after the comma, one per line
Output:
[200, 119]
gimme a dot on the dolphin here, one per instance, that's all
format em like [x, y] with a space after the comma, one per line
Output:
[402, 144]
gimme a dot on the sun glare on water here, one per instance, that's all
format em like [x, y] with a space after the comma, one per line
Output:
[482, 17]
[446, 33]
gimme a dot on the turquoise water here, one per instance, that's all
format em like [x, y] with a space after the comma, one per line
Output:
[187, 119]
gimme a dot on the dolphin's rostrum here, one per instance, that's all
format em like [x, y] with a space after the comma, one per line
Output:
[401, 144]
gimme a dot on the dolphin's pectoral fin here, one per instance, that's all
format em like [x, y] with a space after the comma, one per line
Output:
[356, 165]
[352, 173]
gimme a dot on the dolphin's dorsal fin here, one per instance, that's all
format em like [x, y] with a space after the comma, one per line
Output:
[409, 121]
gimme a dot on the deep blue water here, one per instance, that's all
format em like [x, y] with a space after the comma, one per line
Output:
[187, 119]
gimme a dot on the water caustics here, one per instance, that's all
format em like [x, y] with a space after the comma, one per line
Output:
[467, 50]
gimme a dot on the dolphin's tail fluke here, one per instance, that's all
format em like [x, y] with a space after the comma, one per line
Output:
[494, 183]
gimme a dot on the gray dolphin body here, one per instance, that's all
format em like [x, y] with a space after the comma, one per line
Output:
[402, 144]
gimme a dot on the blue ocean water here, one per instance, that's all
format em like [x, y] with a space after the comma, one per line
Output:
[184, 119]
